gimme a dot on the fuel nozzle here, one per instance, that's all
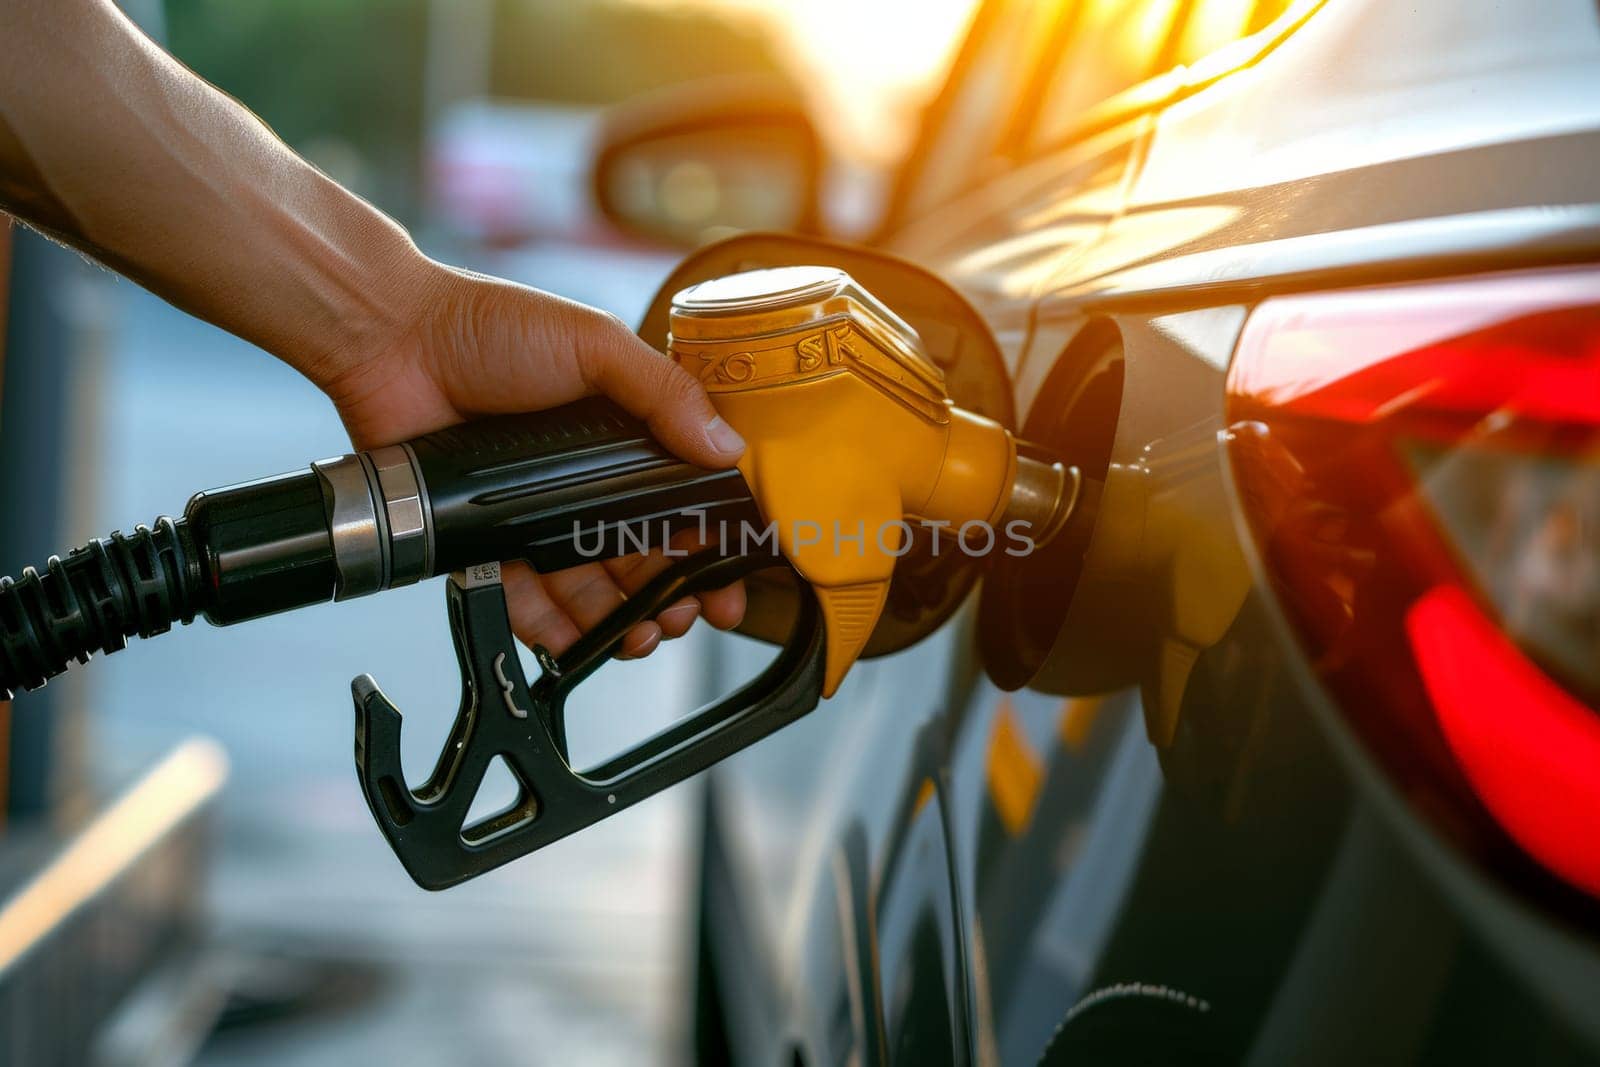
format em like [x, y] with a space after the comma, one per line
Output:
[854, 448]
[853, 437]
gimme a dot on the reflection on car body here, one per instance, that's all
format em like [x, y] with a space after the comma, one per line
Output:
[1182, 833]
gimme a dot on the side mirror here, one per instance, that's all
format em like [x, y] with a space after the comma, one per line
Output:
[709, 158]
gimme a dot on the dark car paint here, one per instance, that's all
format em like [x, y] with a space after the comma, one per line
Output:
[1254, 884]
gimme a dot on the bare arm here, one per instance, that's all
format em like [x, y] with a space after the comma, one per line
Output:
[111, 145]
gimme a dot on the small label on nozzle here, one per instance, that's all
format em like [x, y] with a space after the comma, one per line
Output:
[480, 574]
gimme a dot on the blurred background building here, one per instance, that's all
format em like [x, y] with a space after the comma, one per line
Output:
[473, 121]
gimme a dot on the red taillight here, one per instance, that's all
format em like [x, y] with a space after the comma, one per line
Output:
[1528, 748]
[1420, 466]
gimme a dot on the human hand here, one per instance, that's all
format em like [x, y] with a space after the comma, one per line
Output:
[464, 345]
[168, 180]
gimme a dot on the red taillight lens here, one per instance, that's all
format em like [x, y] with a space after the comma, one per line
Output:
[1420, 466]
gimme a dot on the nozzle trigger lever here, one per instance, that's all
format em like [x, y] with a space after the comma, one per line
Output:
[502, 715]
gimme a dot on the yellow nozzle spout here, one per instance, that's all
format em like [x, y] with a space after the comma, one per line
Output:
[850, 433]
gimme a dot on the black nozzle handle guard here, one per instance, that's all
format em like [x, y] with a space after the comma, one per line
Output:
[500, 715]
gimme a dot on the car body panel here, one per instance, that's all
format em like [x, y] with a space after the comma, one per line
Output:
[790, 816]
[1254, 862]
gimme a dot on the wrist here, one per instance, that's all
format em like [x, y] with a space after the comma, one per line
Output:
[375, 308]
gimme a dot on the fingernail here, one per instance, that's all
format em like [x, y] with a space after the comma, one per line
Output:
[647, 646]
[724, 438]
[686, 612]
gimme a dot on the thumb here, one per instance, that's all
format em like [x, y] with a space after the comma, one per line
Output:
[668, 398]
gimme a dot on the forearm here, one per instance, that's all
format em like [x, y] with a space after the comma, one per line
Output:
[114, 147]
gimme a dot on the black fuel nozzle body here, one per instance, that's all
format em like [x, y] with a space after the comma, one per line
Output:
[581, 483]
[849, 424]
[555, 488]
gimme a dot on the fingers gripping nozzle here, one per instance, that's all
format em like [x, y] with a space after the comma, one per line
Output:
[850, 433]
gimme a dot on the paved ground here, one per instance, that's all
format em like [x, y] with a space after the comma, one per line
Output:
[572, 955]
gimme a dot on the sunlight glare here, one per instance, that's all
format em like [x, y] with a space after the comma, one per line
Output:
[870, 62]
[1211, 26]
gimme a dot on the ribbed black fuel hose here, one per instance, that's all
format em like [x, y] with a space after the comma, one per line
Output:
[114, 588]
